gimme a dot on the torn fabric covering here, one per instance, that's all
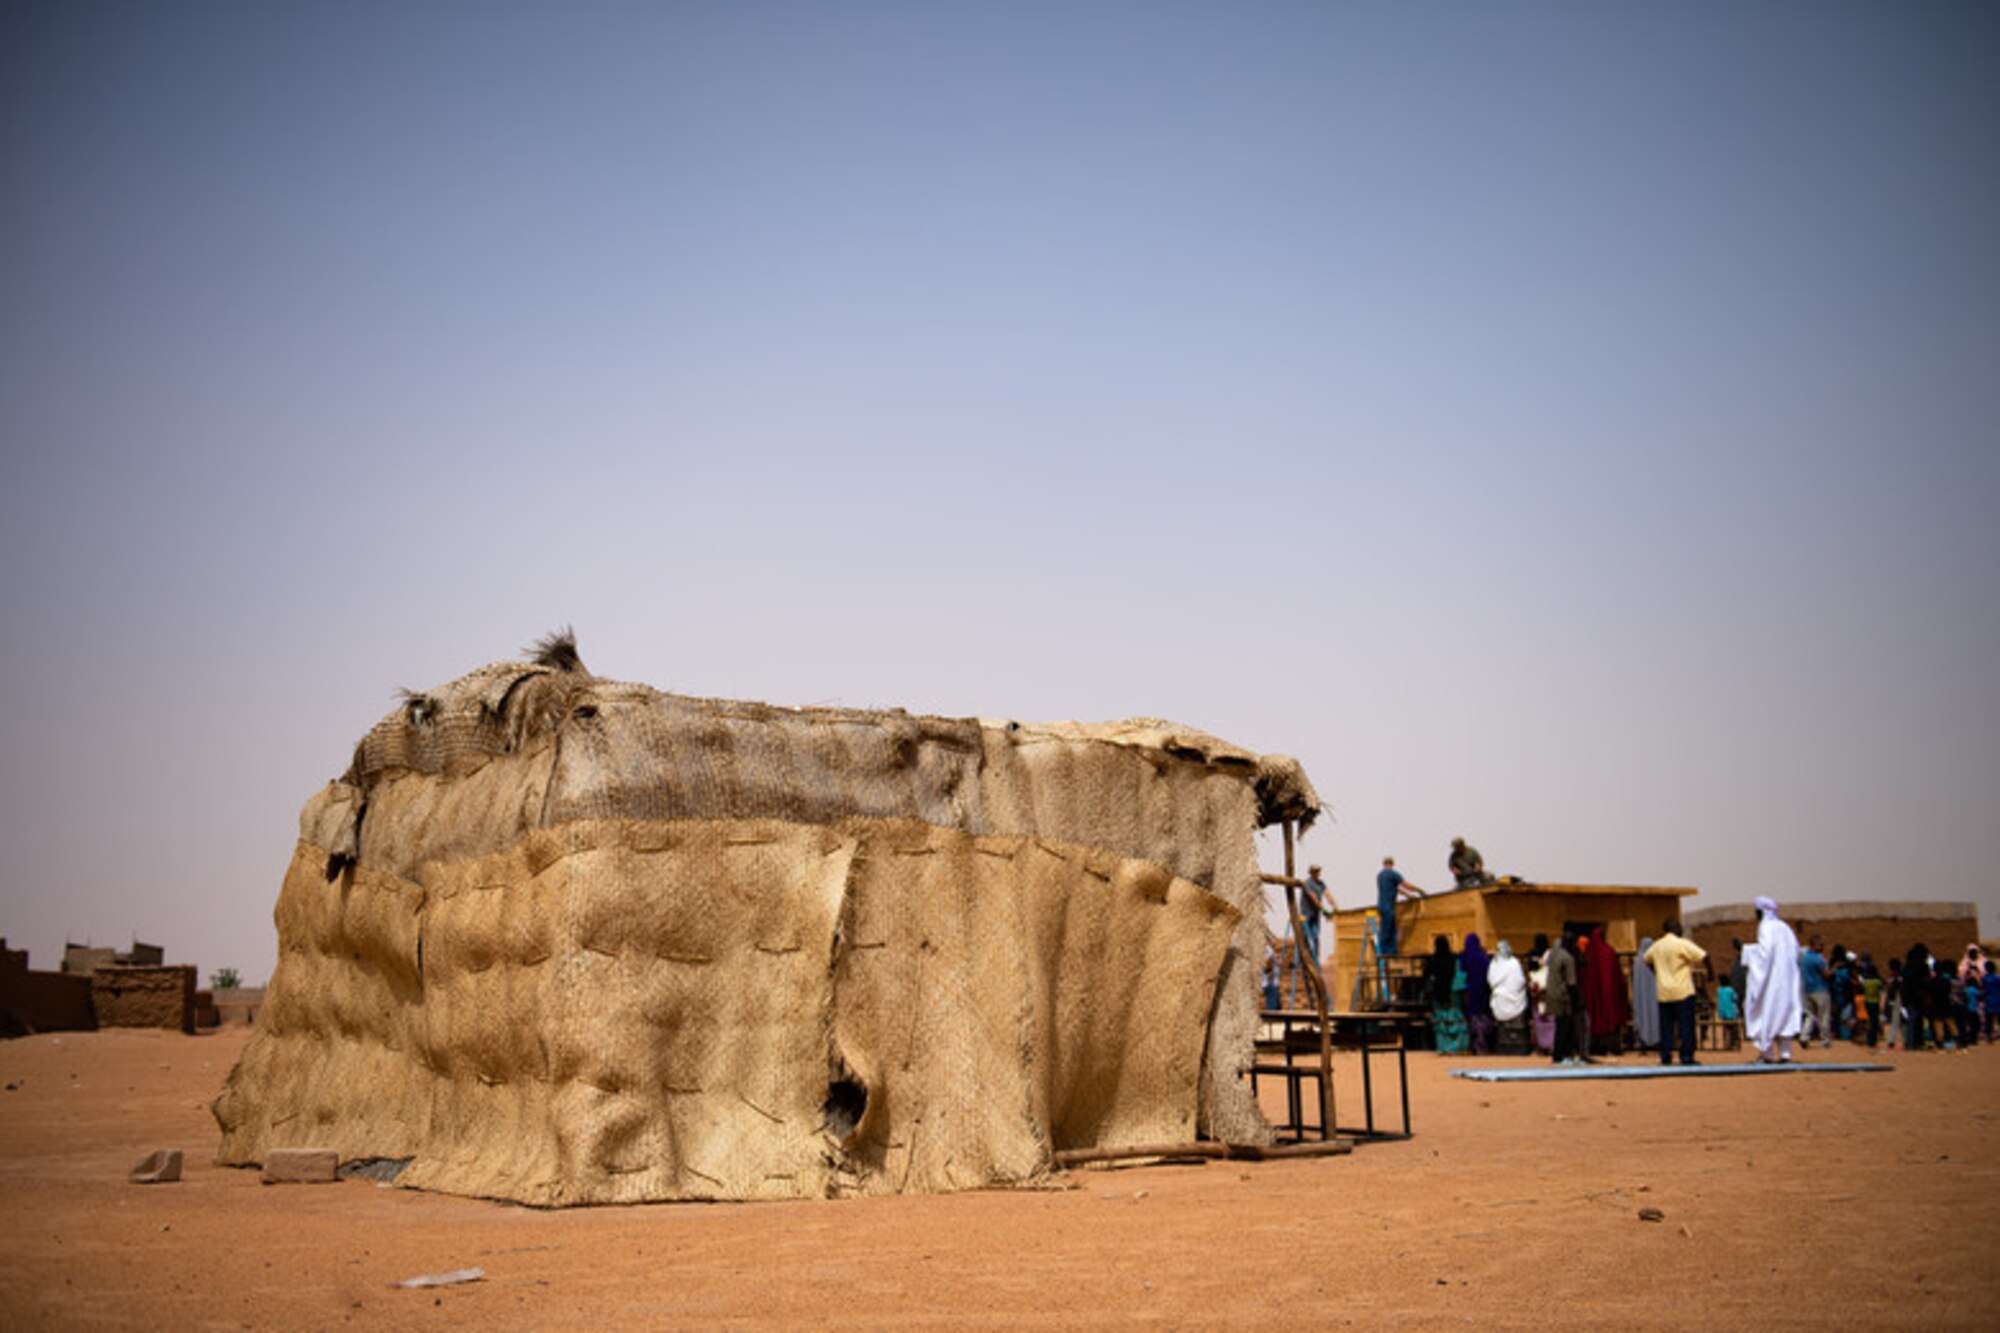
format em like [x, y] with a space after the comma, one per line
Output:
[616, 945]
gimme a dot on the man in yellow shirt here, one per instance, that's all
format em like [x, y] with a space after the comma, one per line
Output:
[1673, 961]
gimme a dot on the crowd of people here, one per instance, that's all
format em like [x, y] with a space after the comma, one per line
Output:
[1570, 997]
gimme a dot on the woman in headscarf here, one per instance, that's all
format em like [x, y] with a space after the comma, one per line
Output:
[1478, 998]
[1604, 995]
[1645, 999]
[1971, 978]
[1509, 993]
[1441, 985]
[1773, 1005]
[1538, 984]
[1916, 997]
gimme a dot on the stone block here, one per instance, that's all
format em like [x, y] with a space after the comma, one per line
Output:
[158, 1167]
[300, 1166]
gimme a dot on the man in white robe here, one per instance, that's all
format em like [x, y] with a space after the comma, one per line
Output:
[1773, 1003]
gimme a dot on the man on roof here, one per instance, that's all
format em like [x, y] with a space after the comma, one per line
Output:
[1468, 867]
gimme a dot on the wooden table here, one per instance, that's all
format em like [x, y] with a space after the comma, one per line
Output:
[1362, 1031]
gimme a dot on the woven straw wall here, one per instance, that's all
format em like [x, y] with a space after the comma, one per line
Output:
[587, 942]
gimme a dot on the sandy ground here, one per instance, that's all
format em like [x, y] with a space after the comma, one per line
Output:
[1789, 1201]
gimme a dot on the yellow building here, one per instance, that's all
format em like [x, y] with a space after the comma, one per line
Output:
[1510, 910]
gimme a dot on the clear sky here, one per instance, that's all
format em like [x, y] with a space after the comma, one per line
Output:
[1573, 426]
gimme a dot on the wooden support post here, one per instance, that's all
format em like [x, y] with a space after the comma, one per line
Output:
[1301, 975]
[1315, 985]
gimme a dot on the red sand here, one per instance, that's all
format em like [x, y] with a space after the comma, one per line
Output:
[1789, 1201]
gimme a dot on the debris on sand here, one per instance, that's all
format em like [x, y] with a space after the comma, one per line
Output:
[451, 1279]
[157, 1167]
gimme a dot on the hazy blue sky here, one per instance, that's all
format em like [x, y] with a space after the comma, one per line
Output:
[1575, 426]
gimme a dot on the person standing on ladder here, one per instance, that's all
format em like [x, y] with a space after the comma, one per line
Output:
[1314, 902]
[1390, 886]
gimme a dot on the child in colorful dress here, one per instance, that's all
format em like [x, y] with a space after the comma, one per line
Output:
[1871, 996]
[1841, 981]
[1895, 1028]
[1948, 995]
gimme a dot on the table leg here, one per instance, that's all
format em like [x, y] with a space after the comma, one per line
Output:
[1403, 1077]
[1367, 1086]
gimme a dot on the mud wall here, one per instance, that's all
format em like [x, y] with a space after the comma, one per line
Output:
[144, 997]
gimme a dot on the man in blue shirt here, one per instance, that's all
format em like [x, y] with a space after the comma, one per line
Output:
[1389, 887]
[1818, 995]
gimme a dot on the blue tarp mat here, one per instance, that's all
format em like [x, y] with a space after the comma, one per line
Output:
[1553, 1073]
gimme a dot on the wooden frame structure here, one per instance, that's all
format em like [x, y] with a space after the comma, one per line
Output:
[1510, 909]
[1307, 1034]
[1297, 1045]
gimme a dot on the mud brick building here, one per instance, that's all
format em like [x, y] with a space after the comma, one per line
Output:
[33, 1001]
[1883, 930]
[144, 997]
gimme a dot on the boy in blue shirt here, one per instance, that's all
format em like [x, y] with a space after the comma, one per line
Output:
[1818, 998]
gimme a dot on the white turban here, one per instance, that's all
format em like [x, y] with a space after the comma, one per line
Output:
[1767, 906]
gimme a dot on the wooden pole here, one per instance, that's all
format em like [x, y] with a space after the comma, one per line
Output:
[1079, 1156]
[1246, 1152]
[1320, 1003]
[1292, 910]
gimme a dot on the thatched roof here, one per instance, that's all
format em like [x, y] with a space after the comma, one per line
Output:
[805, 763]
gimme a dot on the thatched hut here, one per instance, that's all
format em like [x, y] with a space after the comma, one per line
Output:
[559, 939]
